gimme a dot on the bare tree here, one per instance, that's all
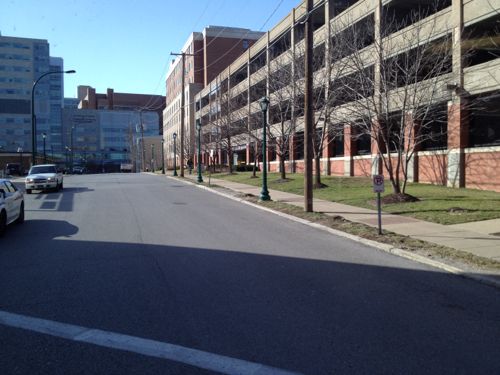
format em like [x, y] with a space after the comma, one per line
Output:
[285, 104]
[328, 67]
[393, 84]
[230, 121]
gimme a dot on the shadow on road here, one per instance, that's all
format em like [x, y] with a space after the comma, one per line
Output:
[307, 315]
[57, 201]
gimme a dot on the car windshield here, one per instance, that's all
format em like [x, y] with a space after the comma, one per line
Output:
[43, 169]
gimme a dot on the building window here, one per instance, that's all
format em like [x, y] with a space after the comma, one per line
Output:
[483, 128]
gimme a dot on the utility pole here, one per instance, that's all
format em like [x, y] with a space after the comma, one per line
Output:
[308, 113]
[183, 100]
[143, 147]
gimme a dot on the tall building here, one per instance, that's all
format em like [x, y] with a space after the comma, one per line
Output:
[362, 49]
[105, 131]
[53, 129]
[22, 61]
[206, 54]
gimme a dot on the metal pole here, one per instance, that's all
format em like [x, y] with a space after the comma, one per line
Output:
[142, 142]
[308, 111]
[379, 209]
[198, 127]
[175, 157]
[152, 157]
[183, 113]
[183, 103]
[264, 194]
[33, 117]
[44, 153]
[162, 157]
[71, 145]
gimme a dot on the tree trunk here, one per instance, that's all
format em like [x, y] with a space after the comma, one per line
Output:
[282, 168]
[317, 173]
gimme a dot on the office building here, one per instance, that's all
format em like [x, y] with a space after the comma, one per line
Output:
[105, 131]
[22, 62]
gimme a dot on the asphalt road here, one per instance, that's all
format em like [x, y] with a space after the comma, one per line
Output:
[139, 274]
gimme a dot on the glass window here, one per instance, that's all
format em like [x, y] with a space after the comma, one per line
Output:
[43, 169]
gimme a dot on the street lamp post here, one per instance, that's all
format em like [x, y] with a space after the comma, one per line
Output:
[264, 194]
[20, 150]
[175, 154]
[71, 149]
[152, 157]
[33, 117]
[162, 157]
[44, 136]
[198, 127]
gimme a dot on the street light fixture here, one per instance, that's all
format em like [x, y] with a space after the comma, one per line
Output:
[44, 153]
[162, 157]
[33, 117]
[175, 153]
[198, 127]
[264, 194]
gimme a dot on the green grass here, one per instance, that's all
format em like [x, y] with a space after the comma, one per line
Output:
[437, 204]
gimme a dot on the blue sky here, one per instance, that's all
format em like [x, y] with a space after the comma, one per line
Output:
[126, 44]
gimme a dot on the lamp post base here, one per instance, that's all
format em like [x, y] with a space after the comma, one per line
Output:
[199, 179]
[264, 196]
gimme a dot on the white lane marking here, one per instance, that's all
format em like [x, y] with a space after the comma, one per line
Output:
[152, 348]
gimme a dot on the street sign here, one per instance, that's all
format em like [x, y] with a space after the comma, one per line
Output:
[378, 183]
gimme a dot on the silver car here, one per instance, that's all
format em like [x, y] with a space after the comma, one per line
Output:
[11, 205]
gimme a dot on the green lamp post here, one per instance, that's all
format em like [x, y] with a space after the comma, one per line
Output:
[264, 194]
[175, 154]
[198, 127]
[162, 157]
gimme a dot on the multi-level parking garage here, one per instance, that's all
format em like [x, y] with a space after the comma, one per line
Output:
[443, 56]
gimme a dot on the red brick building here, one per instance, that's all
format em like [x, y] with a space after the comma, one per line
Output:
[207, 54]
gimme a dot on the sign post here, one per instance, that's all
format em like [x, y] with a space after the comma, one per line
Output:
[378, 187]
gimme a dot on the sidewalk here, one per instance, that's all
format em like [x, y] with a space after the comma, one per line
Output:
[476, 238]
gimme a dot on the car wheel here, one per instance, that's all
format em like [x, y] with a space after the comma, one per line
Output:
[3, 222]
[20, 218]
[28, 191]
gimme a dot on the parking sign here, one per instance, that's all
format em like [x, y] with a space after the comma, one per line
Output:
[378, 183]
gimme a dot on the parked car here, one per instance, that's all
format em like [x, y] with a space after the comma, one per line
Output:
[79, 170]
[13, 169]
[44, 177]
[11, 205]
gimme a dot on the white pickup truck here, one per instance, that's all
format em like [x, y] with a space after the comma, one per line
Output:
[43, 177]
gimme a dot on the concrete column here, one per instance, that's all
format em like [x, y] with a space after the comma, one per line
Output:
[248, 153]
[349, 150]
[376, 142]
[291, 152]
[410, 137]
[327, 154]
[458, 127]
[458, 139]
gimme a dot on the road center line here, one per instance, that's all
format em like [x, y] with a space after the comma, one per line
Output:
[152, 348]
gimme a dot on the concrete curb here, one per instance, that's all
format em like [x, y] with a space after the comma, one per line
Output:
[380, 246]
